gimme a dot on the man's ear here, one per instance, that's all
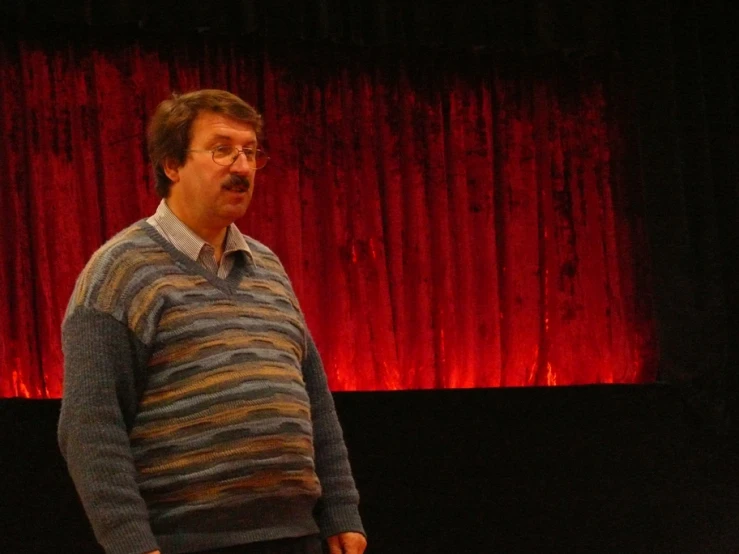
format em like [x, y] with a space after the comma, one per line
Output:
[171, 169]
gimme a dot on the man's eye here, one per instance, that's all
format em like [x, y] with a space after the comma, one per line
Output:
[222, 150]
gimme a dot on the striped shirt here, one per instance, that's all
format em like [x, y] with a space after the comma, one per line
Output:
[186, 241]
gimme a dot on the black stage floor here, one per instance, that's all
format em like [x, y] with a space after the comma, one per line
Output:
[593, 469]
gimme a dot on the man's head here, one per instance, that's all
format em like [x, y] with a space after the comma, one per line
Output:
[170, 129]
[188, 135]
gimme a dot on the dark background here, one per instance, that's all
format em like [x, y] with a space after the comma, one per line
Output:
[596, 469]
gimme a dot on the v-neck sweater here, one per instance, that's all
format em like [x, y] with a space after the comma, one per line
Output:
[196, 413]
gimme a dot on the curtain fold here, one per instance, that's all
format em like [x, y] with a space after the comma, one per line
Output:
[445, 224]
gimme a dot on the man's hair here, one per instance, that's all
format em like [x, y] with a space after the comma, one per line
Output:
[170, 128]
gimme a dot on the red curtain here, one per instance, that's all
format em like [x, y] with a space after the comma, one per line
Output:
[444, 224]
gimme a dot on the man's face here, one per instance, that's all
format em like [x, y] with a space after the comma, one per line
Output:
[205, 195]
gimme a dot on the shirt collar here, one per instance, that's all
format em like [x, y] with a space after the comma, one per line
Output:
[188, 242]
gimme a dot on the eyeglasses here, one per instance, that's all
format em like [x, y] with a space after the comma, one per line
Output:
[227, 155]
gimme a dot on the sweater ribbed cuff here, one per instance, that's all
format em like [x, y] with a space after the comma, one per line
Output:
[340, 519]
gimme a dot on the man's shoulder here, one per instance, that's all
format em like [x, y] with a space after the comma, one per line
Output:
[120, 261]
[257, 246]
[131, 243]
[263, 255]
[117, 277]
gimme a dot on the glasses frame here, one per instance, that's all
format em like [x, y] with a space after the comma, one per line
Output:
[239, 151]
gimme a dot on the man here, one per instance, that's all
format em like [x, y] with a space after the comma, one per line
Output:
[196, 415]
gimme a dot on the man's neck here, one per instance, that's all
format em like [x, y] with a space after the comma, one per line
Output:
[215, 236]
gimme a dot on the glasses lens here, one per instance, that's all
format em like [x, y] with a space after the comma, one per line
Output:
[260, 159]
[227, 155]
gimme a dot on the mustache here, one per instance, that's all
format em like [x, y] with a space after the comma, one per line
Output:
[236, 182]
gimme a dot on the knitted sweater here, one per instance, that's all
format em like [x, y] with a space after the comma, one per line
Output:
[196, 413]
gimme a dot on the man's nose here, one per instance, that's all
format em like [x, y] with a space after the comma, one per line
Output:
[241, 164]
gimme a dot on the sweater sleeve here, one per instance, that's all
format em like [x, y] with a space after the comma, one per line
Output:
[102, 372]
[337, 510]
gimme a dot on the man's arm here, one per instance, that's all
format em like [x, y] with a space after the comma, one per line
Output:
[337, 511]
[99, 401]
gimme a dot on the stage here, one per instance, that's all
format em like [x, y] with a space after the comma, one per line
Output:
[573, 469]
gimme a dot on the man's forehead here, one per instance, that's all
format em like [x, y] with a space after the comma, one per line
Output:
[213, 124]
